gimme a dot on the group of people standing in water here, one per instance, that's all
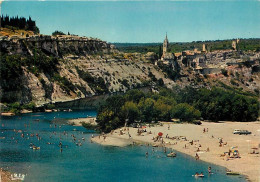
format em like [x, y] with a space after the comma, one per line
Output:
[201, 174]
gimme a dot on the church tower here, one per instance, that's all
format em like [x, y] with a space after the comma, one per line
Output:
[165, 45]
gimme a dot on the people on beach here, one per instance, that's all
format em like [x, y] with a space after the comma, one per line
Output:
[197, 156]
[129, 135]
[191, 142]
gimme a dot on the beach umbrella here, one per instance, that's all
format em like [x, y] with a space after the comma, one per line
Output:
[160, 134]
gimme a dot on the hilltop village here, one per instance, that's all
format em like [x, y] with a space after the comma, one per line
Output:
[217, 63]
[207, 62]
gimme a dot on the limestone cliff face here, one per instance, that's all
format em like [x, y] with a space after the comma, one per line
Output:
[70, 68]
[86, 68]
[57, 46]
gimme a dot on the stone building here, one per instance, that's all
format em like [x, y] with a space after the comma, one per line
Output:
[167, 57]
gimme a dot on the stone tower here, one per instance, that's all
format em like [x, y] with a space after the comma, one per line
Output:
[234, 45]
[204, 48]
[165, 45]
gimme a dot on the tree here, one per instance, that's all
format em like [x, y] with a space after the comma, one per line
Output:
[160, 82]
[104, 119]
[146, 107]
[130, 111]
[162, 110]
[57, 32]
[185, 112]
[134, 95]
[160, 51]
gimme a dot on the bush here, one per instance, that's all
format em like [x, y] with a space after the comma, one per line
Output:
[29, 106]
[57, 32]
[89, 126]
[64, 83]
[97, 84]
[160, 82]
[224, 72]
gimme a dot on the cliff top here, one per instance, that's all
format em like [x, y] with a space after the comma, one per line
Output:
[14, 34]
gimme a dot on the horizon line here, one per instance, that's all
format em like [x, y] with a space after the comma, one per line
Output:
[179, 42]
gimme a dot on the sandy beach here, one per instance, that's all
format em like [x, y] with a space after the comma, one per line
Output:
[79, 121]
[5, 176]
[248, 164]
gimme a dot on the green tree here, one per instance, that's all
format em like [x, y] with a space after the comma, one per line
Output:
[130, 111]
[146, 107]
[185, 112]
[162, 110]
[134, 95]
[104, 120]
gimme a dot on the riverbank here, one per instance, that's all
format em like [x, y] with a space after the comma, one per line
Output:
[79, 121]
[181, 135]
[5, 176]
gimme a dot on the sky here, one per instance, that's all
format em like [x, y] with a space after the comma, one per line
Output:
[143, 21]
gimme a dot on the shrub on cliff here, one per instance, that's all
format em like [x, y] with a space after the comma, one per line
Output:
[57, 32]
[64, 83]
[98, 84]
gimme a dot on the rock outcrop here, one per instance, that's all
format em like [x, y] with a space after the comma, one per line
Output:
[55, 45]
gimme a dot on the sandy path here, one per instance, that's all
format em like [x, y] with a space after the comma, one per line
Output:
[248, 164]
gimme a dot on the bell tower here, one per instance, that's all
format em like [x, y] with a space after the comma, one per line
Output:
[165, 45]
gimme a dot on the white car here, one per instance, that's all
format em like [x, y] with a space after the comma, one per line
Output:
[241, 132]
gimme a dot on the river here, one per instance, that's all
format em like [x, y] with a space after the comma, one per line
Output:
[89, 162]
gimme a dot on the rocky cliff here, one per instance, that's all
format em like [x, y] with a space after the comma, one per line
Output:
[58, 69]
[57, 46]
[46, 69]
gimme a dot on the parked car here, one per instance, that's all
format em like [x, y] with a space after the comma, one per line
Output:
[241, 132]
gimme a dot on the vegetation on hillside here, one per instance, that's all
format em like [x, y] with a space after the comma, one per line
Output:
[186, 104]
[98, 84]
[57, 32]
[19, 23]
[16, 107]
[11, 68]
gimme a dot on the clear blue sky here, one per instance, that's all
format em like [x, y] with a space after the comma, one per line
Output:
[144, 21]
